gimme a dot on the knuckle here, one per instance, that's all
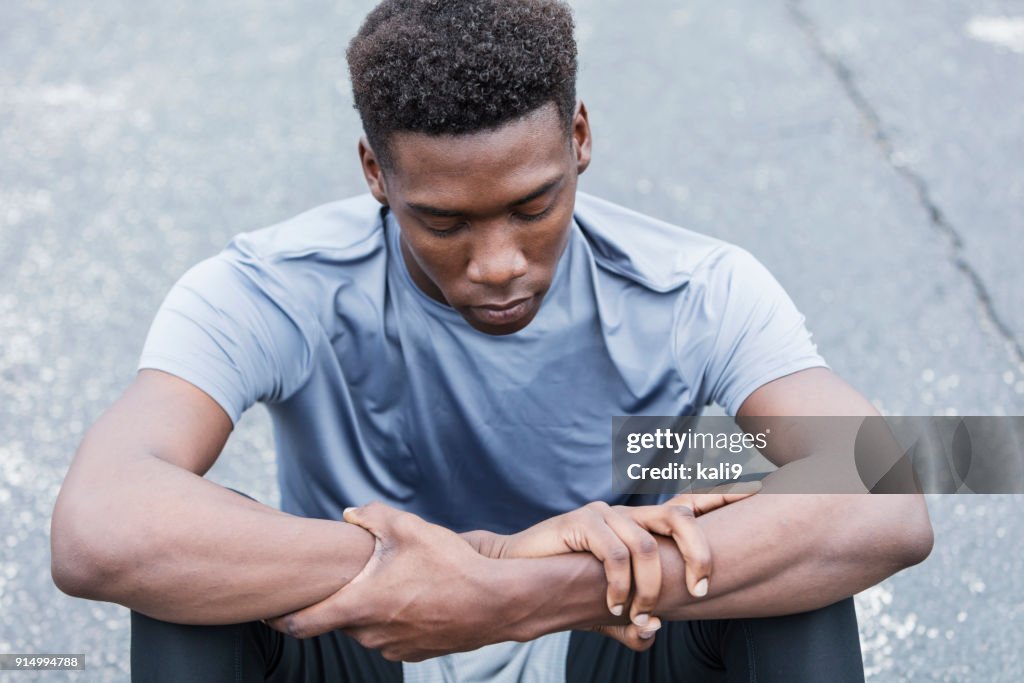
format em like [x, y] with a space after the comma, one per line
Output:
[404, 523]
[366, 639]
[373, 506]
[682, 511]
[294, 628]
[374, 641]
[702, 559]
[597, 506]
[618, 555]
[646, 545]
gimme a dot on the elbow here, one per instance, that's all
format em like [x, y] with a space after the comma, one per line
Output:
[82, 564]
[884, 534]
[911, 534]
[919, 539]
[71, 575]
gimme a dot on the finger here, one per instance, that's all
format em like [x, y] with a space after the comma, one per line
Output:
[693, 545]
[607, 547]
[338, 611]
[719, 496]
[678, 522]
[645, 561]
[631, 635]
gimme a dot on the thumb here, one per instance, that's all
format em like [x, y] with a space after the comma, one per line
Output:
[719, 496]
[378, 518]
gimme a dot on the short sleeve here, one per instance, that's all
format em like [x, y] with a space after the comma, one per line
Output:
[752, 331]
[227, 327]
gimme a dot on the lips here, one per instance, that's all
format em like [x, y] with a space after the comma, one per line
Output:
[503, 313]
[503, 307]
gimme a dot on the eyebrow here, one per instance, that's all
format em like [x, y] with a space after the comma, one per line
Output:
[448, 213]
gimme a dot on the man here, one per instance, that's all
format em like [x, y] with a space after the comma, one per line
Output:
[454, 346]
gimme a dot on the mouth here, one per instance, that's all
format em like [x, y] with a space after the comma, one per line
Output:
[503, 313]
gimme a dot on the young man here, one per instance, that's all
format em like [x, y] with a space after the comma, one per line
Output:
[454, 345]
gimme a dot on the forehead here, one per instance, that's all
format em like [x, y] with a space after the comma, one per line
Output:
[510, 160]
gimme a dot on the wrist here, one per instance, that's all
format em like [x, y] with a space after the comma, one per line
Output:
[511, 598]
[536, 596]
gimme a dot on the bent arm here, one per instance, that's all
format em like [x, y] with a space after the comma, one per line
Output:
[135, 522]
[773, 553]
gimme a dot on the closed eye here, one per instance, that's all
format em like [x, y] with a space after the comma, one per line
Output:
[531, 217]
[445, 232]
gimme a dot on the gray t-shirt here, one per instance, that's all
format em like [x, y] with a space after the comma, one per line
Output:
[378, 392]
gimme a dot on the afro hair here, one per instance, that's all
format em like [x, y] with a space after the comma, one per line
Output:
[460, 66]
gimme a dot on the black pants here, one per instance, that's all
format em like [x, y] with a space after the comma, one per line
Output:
[813, 646]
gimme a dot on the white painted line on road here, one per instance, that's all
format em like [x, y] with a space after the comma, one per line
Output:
[1006, 32]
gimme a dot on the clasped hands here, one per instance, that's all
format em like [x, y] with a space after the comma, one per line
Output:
[427, 591]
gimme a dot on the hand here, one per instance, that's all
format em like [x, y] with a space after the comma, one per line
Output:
[423, 593]
[621, 538]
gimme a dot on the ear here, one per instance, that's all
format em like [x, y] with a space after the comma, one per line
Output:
[581, 141]
[373, 171]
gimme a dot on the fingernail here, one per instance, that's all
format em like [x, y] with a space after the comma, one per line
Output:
[617, 610]
[641, 619]
[701, 589]
[647, 635]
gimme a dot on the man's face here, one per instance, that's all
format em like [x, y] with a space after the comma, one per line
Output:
[485, 217]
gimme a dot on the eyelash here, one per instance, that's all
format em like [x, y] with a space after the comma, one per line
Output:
[445, 233]
[530, 218]
[525, 217]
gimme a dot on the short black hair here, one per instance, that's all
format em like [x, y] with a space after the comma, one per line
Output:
[460, 66]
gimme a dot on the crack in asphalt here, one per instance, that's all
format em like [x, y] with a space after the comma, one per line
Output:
[936, 216]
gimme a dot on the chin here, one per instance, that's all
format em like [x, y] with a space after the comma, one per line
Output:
[499, 330]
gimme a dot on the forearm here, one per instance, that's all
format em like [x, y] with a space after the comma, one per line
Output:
[164, 541]
[773, 554]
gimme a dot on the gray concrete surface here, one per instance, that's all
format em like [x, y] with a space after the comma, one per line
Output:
[870, 153]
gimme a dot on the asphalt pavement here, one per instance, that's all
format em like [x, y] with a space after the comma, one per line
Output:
[869, 153]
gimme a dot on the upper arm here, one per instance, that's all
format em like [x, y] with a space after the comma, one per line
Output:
[159, 417]
[819, 392]
[813, 392]
[162, 416]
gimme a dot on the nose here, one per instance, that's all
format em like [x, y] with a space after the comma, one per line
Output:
[497, 260]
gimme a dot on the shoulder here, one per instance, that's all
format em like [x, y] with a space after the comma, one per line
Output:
[341, 230]
[300, 261]
[291, 269]
[705, 280]
[658, 255]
